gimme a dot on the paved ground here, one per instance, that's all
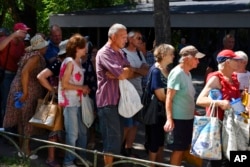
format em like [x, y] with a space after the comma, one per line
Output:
[7, 149]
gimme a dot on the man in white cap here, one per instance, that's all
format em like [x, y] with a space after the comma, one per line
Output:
[180, 103]
[243, 75]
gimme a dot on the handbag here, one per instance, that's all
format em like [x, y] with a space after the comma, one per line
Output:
[87, 110]
[206, 137]
[45, 113]
[235, 133]
[130, 101]
[152, 107]
[59, 120]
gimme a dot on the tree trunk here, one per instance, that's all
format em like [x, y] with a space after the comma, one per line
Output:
[162, 22]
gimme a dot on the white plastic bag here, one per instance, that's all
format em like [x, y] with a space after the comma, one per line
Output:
[87, 110]
[235, 133]
[130, 101]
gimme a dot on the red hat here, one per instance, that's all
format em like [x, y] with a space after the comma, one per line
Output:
[226, 54]
[20, 26]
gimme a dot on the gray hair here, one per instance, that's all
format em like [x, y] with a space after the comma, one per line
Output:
[242, 54]
[132, 33]
[115, 28]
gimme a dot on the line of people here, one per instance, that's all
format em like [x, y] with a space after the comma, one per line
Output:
[66, 67]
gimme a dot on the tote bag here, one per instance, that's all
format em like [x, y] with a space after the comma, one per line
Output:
[45, 113]
[152, 107]
[130, 101]
[87, 110]
[235, 133]
[206, 137]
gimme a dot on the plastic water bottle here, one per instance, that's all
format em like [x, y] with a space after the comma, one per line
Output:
[18, 104]
[170, 137]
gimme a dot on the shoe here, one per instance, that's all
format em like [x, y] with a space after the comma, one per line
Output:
[53, 163]
[72, 165]
[32, 157]
[78, 162]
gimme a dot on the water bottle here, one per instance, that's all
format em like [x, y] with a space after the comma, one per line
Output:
[18, 104]
[170, 137]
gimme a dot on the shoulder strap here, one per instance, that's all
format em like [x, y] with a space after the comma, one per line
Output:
[149, 79]
[139, 54]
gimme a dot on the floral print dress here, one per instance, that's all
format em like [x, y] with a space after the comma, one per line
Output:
[21, 116]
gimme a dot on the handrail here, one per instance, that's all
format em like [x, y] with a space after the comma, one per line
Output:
[122, 159]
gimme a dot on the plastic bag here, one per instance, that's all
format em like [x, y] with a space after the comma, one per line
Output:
[130, 101]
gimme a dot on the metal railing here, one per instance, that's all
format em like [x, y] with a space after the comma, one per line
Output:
[95, 153]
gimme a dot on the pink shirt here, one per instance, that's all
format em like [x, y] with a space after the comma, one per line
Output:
[108, 60]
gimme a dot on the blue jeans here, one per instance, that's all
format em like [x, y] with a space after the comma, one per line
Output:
[4, 92]
[111, 127]
[76, 132]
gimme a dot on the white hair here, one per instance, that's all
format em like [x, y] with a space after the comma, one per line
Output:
[221, 65]
[242, 54]
[115, 28]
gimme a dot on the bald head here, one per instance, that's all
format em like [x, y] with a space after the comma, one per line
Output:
[55, 34]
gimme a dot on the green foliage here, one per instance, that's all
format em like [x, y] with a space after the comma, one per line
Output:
[45, 8]
[14, 162]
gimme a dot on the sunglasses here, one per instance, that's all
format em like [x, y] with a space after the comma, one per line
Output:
[139, 38]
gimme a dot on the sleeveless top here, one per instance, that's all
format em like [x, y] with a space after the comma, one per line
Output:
[66, 97]
[228, 90]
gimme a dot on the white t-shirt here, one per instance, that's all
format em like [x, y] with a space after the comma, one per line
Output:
[135, 62]
[243, 78]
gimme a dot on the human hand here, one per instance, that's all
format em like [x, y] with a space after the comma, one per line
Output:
[20, 33]
[110, 75]
[23, 98]
[224, 104]
[169, 125]
[85, 89]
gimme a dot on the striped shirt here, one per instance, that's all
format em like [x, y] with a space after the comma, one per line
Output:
[108, 60]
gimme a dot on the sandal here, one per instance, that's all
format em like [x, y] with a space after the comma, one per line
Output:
[53, 163]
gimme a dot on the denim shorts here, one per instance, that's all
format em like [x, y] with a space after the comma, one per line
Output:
[111, 129]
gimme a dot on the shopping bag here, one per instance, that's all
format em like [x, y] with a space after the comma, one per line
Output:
[191, 159]
[87, 110]
[130, 101]
[206, 137]
[59, 120]
[235, 133]
[45, 113]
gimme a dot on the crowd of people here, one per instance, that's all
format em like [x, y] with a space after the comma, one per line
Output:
[75, 67]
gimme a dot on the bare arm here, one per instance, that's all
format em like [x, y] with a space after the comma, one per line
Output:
[127, 73]
[169, 125]
[204, 101]
[160, 94]
[43, 79]
[28, 67]
[16, 34]
[142, 71]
